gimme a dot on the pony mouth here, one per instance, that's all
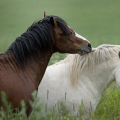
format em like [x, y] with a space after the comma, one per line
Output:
[83, 52]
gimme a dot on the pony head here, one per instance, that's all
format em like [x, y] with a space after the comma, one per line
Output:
[67, 40]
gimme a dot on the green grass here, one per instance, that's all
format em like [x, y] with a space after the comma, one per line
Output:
[107, 109]
[109, 105]
[96, 20]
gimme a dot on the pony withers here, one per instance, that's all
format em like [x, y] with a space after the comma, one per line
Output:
[80, 79]
[23, 65]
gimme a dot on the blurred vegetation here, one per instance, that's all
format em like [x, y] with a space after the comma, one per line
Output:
[96, 20]
[107, 109]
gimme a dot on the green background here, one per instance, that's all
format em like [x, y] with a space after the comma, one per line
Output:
[96, 20]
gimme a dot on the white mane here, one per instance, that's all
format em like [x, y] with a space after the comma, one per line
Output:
[88, 63]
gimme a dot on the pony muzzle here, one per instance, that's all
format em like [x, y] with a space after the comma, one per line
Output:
[86, 49]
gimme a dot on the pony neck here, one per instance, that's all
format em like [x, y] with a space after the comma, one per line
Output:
[33, 70]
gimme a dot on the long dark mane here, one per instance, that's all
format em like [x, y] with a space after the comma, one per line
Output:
[37, 37]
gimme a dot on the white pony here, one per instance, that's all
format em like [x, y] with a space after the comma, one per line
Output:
[78, 78]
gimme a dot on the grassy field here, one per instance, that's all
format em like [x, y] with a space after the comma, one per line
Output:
[98, 21]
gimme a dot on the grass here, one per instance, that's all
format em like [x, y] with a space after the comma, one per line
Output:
[98, 21]
[107, 109]
[109, 105]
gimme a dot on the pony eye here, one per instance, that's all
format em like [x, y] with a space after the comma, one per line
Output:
[70, 33]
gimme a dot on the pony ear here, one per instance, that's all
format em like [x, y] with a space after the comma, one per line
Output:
[53, 22]
[45, 15]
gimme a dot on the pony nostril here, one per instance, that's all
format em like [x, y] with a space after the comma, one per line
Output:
[89, 45]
